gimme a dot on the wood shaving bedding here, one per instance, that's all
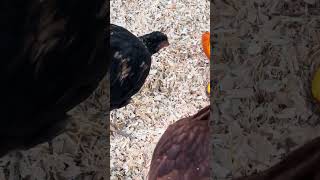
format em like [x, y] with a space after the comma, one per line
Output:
[175, 87]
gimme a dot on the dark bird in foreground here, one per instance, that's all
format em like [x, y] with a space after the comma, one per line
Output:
[53, 56]
[183, 151]
[301, 164]
[131, 61]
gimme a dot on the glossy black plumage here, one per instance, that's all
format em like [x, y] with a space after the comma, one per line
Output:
[131, 61]
[56, 57]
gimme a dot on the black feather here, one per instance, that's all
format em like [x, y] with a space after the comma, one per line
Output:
[131, 61]
[56, 58]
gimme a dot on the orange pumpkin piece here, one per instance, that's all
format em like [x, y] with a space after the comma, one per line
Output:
[206, 49]
[206, 43]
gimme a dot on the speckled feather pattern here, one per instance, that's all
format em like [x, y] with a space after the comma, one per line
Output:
[130, 65]
[183, 150]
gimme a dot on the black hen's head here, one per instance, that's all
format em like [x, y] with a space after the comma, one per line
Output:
[155, 41]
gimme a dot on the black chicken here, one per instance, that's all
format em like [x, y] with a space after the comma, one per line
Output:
[53, 56]
[183, 151]
[131, 61]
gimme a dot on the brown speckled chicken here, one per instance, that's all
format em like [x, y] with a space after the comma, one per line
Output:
[183, 151]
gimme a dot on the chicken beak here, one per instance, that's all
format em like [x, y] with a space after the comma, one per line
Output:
[163, 45]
